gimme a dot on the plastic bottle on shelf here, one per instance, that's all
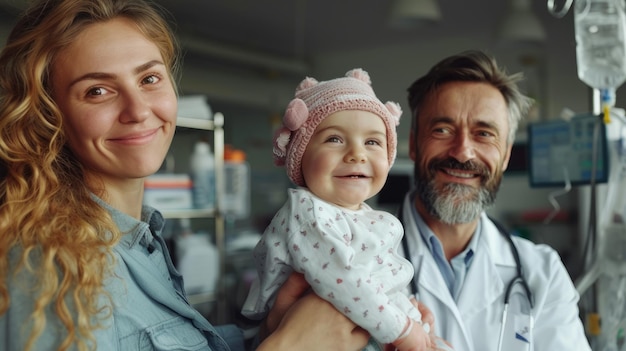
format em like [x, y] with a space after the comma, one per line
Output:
[235, 201]
[197, 259]
[202, 166]
[600, 44]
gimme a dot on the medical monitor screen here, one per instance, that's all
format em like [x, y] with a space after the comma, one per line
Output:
[562, 151]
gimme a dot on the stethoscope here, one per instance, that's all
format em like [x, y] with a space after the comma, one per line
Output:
[517, 280]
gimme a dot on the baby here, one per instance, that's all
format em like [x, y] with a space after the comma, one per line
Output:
[338, 142]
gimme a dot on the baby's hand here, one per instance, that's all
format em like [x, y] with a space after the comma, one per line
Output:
[417, 339]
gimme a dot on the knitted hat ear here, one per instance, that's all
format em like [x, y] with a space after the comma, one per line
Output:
[395, 110]
[359, 74]
[295, 115]
[308, 82]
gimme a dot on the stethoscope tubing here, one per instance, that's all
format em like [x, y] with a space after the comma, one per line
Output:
[518, 268]
[518, 264]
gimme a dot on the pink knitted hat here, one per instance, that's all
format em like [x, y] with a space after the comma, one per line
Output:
[314, 101]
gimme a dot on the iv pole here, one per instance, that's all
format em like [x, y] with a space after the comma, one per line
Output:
[594, 264]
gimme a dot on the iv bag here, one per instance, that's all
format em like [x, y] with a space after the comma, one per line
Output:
[600, 27]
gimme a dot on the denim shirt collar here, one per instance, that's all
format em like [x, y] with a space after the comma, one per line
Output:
[135, 232]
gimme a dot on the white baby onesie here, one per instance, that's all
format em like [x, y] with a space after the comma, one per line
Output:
[348, 257]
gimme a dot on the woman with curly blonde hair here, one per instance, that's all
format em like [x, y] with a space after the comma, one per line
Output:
[87, 111]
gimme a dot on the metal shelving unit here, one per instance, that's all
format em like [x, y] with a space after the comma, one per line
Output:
[216, 126]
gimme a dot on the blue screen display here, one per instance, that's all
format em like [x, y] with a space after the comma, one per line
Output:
[561, 151]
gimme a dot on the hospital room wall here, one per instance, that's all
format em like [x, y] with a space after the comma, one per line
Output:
[253, 105]
[518, 206]
[392, 69]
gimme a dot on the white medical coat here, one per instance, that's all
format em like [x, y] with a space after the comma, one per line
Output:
[473, 322]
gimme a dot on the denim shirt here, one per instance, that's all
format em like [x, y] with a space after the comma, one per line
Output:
[150, 308]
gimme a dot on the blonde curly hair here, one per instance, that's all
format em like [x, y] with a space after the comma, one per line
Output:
[47, 214]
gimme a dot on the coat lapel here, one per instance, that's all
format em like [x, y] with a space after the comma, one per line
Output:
[493, 253]
[485, 283]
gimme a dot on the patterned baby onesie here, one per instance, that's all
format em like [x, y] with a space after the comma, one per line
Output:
[348, 257]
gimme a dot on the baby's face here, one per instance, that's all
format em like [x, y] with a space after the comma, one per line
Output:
[346, 160]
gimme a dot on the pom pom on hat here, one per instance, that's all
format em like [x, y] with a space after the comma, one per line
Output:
[296, 114]
[314, 101]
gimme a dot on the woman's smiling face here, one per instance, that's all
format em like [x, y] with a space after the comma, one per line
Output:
[117, 99]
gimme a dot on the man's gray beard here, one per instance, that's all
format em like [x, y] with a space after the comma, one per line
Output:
[457, 203]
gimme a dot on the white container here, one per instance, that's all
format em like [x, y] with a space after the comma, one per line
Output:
[194, 106]
[235, 199]
[198, 263]
[203, 176]
[168, 191]
[600, 28]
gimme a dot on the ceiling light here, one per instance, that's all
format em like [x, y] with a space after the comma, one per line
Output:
[410, 13]
[521, 24]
